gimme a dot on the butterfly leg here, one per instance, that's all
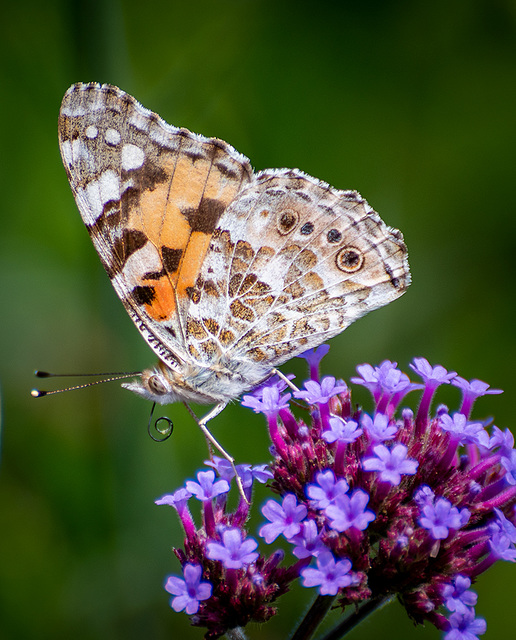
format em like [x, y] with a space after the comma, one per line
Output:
[211, 439]
[284, 378]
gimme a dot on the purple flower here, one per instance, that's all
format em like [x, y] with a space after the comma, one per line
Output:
[471, 391]
[474, 388]
[392, 380]
[314, 356]
[261, 473]
[273, 381]
[424, 495]
[441, 516]
[234, 553]
[308, 542]
[320, 393]
[509, 464]
[222, 466]
[504, 440]
[325, 489]
[465, 432]
[178, 499]
[464, 626]
[207, 488]
[502, 537]
[435, 375]
[502, 547]
[378, 429]
[350, 511]
[457, 596]
[503, 525]
[271, 402]
[384, 378]
[284, 519]
[330, 575]
[351, 497]
[391, 463]
[342, 430]
[370, 378]
[190, 591]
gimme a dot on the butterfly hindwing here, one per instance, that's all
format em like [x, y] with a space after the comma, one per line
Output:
[296, 261]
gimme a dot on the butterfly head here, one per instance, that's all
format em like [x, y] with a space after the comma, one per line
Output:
[165, 384]
[160, 384]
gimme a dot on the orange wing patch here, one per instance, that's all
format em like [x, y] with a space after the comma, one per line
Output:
[178, 215]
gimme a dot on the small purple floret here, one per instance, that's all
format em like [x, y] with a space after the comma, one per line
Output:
[233, 552]
[284, 519]
[270, 403]
[463, 431]
[350, 511]
[308, 542]
[320, 393]
[342, 430]
[178, 499]
[441, 516]
[325, 489]
[378, 429]
[391, 463]
[509, 464]
[502, 440]
[314, 356]
[464, 626]
[471, 391]
[424, 495]
[330, 575]
[207, 487]
[457, 596]
[437, 374]
[190, 591]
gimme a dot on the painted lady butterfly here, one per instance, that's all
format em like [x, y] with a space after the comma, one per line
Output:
[226, 273]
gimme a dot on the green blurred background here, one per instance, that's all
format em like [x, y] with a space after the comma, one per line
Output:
[413, 103]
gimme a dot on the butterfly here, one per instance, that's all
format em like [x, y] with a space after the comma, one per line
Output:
[227, 273]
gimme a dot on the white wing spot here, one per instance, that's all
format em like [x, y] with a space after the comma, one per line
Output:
[91, 132]
[112, 136]
[97, 194]
[132, 157]
[131, 274]
[75, 151]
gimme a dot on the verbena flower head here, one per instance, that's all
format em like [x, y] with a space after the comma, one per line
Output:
[372, 505]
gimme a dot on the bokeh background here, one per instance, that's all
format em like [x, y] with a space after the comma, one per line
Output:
[413, 103]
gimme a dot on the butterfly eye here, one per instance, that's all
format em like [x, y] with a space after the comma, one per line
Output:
[349, 259]
[157, 385]
[287, 220]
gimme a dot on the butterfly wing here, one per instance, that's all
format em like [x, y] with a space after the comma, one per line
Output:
[150, 196]
[292, 263]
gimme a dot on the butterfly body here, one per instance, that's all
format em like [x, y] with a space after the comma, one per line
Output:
[225, 272]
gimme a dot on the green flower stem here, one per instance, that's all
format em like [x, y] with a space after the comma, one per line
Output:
[313, 618]
[355, 618]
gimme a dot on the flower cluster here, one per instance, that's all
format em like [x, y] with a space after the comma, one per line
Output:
[392, 503]
[226, 583]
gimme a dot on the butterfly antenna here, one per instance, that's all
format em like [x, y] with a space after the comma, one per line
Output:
[164, 433]
[39, 393]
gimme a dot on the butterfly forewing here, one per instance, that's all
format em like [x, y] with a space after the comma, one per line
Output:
[151, 196]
